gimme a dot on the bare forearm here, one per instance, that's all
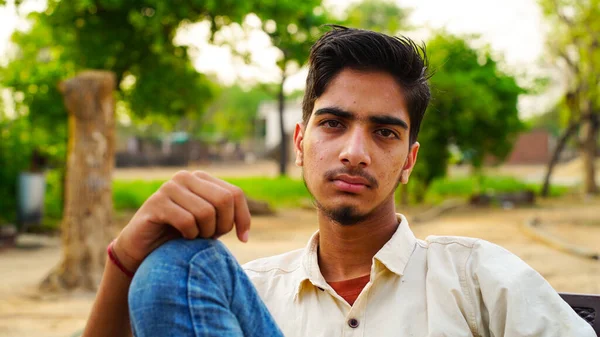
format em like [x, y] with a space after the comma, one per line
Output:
[110, 313]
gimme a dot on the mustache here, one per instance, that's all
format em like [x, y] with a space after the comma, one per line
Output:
[358, 172]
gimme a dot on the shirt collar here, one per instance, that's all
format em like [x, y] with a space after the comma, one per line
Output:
[394, 256]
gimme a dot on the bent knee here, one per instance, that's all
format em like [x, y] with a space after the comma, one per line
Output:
[171, 261]
[161, 281]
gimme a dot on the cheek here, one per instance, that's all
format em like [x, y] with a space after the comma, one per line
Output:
[316, 152]
[393, 164]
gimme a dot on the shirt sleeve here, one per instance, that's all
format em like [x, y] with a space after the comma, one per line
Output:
[514, 300]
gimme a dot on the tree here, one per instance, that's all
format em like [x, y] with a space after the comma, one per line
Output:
[382, 16]
[473, 106]
[86, 226]
[133, 40]
[233, 113]
[473, 103]
[293, 35]
[575, 43]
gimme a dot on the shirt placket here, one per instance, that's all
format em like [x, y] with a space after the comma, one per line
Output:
[354, 326]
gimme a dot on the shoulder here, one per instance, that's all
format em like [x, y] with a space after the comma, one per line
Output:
[278, 264]
[434, 241]
[479, 254]
[487, 263]
[477, 257]
[456, 248]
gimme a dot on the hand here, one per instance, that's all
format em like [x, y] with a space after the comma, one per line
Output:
[191, 204]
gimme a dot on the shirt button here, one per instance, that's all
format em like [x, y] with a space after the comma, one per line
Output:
[353, 323]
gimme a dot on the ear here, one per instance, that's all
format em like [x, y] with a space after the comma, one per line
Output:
[409, 164]
[298, 138]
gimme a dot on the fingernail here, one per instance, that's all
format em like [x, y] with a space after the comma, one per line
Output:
[245, 236]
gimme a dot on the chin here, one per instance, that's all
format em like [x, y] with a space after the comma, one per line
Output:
[344, 214]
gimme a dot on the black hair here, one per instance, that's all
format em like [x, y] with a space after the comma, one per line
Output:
[343, 47]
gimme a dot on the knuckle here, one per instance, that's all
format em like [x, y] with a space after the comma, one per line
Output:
[168, 186]
[181, 176]
[225, 199]
[201, 174]
[207, 213]
[186, 219]
[237, 192]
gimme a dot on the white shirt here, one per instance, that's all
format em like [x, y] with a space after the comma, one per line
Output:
[442, 286]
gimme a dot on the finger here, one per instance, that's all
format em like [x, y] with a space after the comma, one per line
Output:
[203, 211]
[174, 215]
[218, 197]
[240, 205]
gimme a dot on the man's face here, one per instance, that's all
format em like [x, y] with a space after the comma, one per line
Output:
[354, 149]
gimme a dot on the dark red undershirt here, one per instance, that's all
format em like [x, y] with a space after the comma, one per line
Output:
[350, 289]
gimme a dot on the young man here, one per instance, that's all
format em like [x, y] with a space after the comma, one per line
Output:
[363, 273]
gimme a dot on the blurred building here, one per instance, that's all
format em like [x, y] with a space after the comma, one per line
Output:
[173, 149]
[535, 147]
[269, 137]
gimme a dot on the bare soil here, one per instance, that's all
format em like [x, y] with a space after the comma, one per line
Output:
[26, 312]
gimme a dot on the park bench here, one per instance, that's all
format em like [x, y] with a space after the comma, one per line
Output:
[587, 306]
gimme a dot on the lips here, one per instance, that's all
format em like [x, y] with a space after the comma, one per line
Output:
[354, 180]
[350, 184]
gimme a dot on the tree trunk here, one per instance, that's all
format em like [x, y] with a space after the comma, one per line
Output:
[589, 138]
[562, 141]
[87, 220]
[283, 150]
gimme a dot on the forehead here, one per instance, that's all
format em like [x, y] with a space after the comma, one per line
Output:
[364, 93]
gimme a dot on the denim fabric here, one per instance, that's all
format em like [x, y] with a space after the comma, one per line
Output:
[196, 288]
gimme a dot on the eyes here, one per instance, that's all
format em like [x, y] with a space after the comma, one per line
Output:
[383, 132]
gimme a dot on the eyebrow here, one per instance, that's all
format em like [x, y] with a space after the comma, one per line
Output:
[376, 119]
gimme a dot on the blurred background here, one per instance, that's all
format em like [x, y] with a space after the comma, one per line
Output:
[101, 101]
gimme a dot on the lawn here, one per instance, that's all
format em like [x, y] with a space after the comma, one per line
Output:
[287, 192]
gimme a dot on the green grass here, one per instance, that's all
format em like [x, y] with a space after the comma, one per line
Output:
[132, 194]
[278, 192]
[287, 192]
[464, 187]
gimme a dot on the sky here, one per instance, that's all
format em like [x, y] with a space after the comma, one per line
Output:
[514, 29]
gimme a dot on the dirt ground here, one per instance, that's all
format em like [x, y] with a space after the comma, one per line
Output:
[25, 312]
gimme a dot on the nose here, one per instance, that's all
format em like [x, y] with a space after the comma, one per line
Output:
[355, 152]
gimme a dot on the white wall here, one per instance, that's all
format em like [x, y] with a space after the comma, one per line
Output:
[269, 111]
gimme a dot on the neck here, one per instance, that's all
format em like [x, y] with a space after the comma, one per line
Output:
[346, 252]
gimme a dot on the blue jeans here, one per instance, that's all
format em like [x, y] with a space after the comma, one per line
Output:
[196, 288]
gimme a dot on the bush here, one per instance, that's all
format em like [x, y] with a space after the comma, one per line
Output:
[441, 189]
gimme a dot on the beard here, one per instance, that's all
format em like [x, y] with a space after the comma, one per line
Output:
[346, 215]
[343, 215]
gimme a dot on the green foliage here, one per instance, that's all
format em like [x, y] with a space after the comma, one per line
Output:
[233, 113]
[292, 27]
[474, 107]
[575, 31]
[19, 137]
[382, 16]
[133, 39]
[53, 206]
[549, 121]
[575, 45]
